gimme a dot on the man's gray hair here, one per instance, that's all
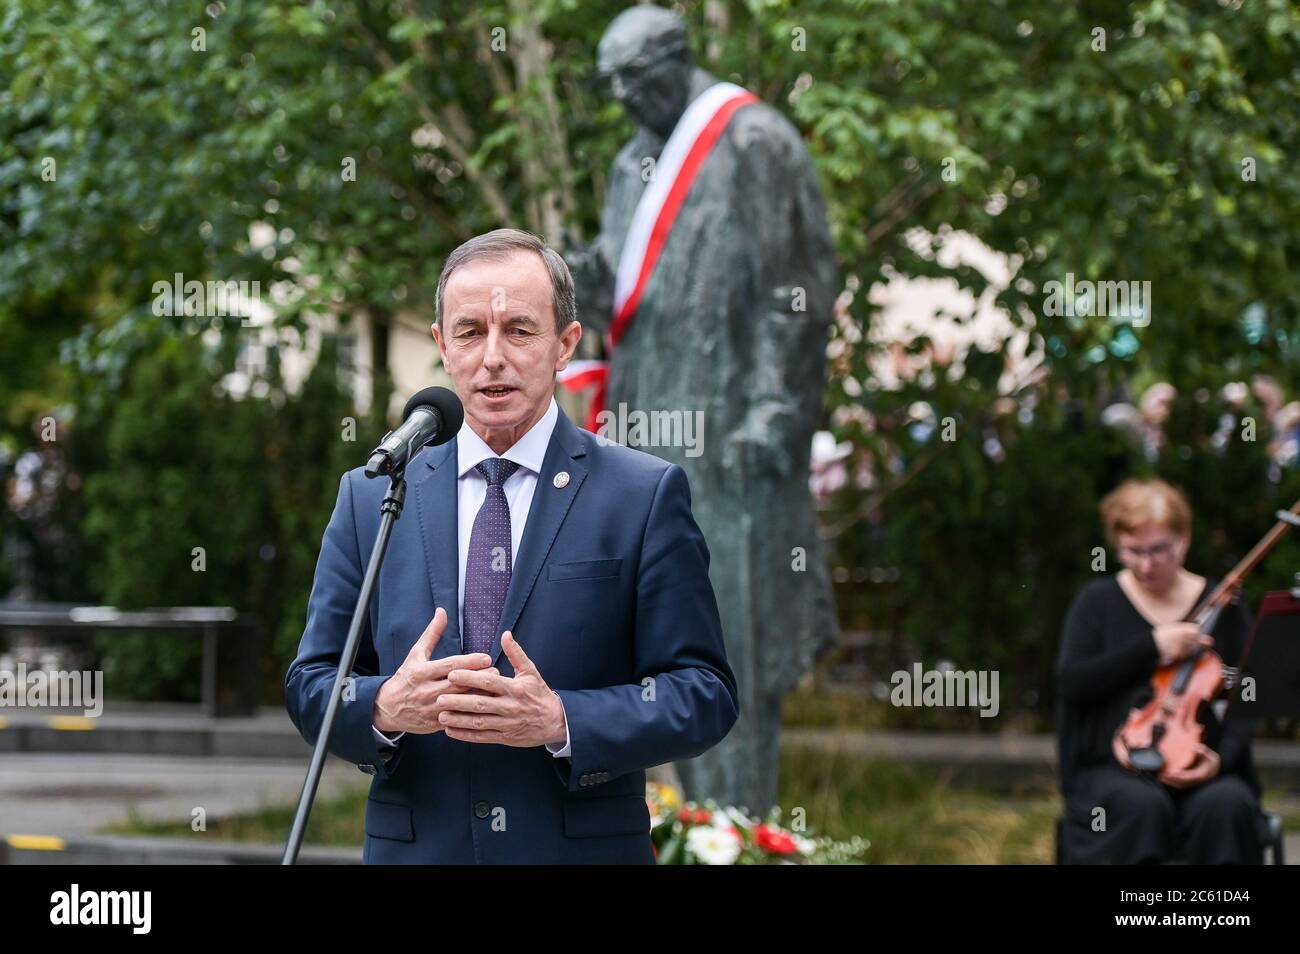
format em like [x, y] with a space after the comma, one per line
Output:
[499, 245]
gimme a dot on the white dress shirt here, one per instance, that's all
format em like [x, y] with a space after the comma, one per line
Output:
[471, 490]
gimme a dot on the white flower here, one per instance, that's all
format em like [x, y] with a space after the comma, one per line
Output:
[738, 818]
[806, 846]
[713, 846]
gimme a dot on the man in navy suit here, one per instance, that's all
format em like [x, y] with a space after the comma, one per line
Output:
[543, 628]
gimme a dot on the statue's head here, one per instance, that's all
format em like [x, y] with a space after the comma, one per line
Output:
[646, 59]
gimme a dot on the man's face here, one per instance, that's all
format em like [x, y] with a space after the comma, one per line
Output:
[498, 342]
[652, 86]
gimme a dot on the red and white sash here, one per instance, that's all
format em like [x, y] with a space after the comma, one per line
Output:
[690, 144]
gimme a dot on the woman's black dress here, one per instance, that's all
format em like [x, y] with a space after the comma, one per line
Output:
[1113, 815]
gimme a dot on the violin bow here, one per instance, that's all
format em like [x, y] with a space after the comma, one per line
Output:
[1228, 585]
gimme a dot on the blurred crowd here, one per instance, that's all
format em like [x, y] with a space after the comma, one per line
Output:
[1257, 410]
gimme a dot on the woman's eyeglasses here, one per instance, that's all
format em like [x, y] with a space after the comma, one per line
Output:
[1158, 553]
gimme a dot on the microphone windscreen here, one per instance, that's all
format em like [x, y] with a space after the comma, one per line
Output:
[446, 403]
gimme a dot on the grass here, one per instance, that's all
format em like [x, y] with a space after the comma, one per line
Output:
[338, 821]
[912, 815]
[815, 705]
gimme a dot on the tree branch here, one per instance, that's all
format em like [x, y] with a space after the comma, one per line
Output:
[456, 133]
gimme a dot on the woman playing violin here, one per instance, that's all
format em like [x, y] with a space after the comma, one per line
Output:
[1117, 632]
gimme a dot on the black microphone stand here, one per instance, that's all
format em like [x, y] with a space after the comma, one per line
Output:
[389, 510]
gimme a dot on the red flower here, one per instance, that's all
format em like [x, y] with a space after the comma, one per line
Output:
[698, 816]
[774, 840]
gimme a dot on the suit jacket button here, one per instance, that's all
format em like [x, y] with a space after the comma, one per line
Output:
[482, 809]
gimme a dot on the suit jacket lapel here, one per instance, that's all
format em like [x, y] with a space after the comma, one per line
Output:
[435, 499]
[545, 516]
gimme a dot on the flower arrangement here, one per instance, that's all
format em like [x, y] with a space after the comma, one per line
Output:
[685, 834]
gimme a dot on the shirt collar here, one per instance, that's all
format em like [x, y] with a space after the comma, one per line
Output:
[528, 452]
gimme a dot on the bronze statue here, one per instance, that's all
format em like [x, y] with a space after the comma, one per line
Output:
[721, 313]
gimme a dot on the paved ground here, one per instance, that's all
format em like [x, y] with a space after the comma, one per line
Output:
[78, 794]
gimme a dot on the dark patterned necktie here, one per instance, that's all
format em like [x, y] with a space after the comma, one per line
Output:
[487, 570]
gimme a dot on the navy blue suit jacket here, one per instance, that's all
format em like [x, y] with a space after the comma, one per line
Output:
[609, 596]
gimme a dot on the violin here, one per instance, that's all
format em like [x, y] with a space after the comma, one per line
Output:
[1165, 732]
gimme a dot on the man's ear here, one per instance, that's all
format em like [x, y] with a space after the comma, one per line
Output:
[569, 343]
[437, 337]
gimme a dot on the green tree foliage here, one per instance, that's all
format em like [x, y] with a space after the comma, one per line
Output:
[1111, 140]
[199, 498]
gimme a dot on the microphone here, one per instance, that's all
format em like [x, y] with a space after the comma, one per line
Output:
[432, 417]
